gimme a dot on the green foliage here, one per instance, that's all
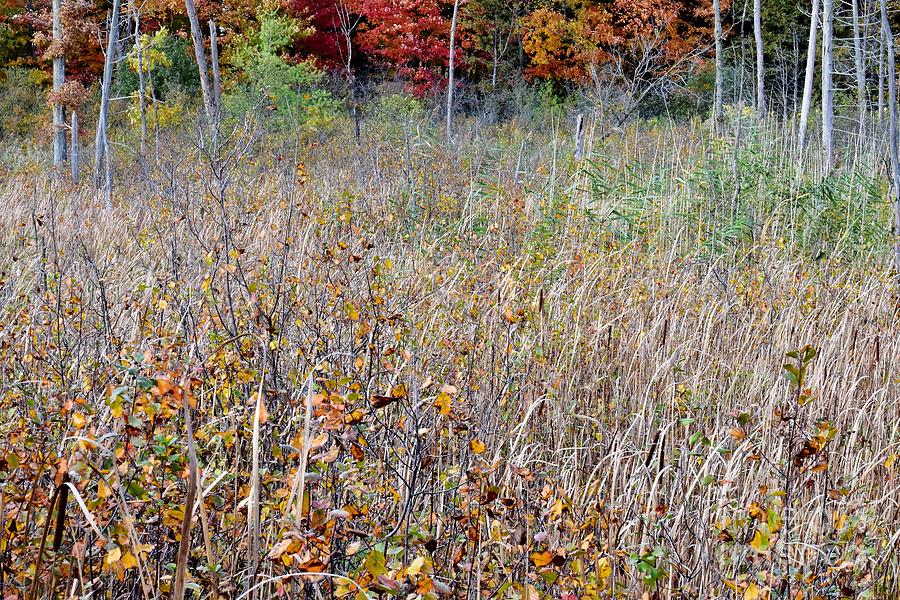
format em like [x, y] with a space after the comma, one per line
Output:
[149, 56]
[398, 106]
[148, 53]
[14, 41]
[23, 106]
[846, 214]
[287, 90]
[168, 62]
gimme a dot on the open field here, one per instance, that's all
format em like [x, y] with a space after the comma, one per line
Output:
[396, 368]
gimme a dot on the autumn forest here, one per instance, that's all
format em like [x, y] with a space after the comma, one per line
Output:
[427, 299]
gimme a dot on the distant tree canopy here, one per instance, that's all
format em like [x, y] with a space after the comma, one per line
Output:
[631, 45]
[560, 40]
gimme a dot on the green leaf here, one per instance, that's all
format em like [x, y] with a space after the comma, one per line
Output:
[792, 374]
[773, 520]
[809, 354]
[375, 563]
[136, 491]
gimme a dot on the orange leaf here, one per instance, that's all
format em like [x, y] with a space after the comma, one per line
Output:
[541, 559]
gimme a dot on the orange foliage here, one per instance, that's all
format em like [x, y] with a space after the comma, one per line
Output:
[569, 41]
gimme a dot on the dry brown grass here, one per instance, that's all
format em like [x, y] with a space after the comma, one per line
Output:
[638, 432]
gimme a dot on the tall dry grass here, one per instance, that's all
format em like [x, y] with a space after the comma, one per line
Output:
[460, 372]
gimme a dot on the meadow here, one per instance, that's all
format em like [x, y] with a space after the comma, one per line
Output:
[310, 365]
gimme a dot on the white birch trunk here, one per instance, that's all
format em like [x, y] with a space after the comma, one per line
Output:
[73, 156]
[760, 60]
[214, 59]
[579, 137]
[142, 83]
[101, 145]
[718, 109]
[450, 82]
[859, 60]
[892, 142]
[827, 85]
[810, 74]
[200, 55]
[59, 78]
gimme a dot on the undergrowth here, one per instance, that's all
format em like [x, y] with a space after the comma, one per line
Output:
[321, 368]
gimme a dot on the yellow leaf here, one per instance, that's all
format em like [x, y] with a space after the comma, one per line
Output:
[416, 567]
[117, 410]
[752, 592]
[477, 446]
[112, 557]
[443, 403]
[78, 420]
[756, 511]
[760, 541]
[557, 509]
[129, 561]
[604, 569]
[279, 549]
[318, 441]
[103, 490]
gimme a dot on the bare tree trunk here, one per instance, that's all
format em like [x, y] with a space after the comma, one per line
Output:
[348, 26]
[718, 109]
[881, 80]
[827, 85]
[59, 78]
[450, 82]
[738, 122]
[892, 142]
[860, 70]
[495, 59]
[200, 55]
[810, 74]
[579, 137]
[73, 158]
[142, 84]
[214, 59]
[101, 146]
[760, 60]
[795, 75]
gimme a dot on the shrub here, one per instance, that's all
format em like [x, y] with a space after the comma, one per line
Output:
[287, 90]
[23, 105]
[169, 64]
[154, 59]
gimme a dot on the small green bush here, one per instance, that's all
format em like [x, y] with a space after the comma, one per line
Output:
[171, 65]
[23, 102]
[287, 92]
